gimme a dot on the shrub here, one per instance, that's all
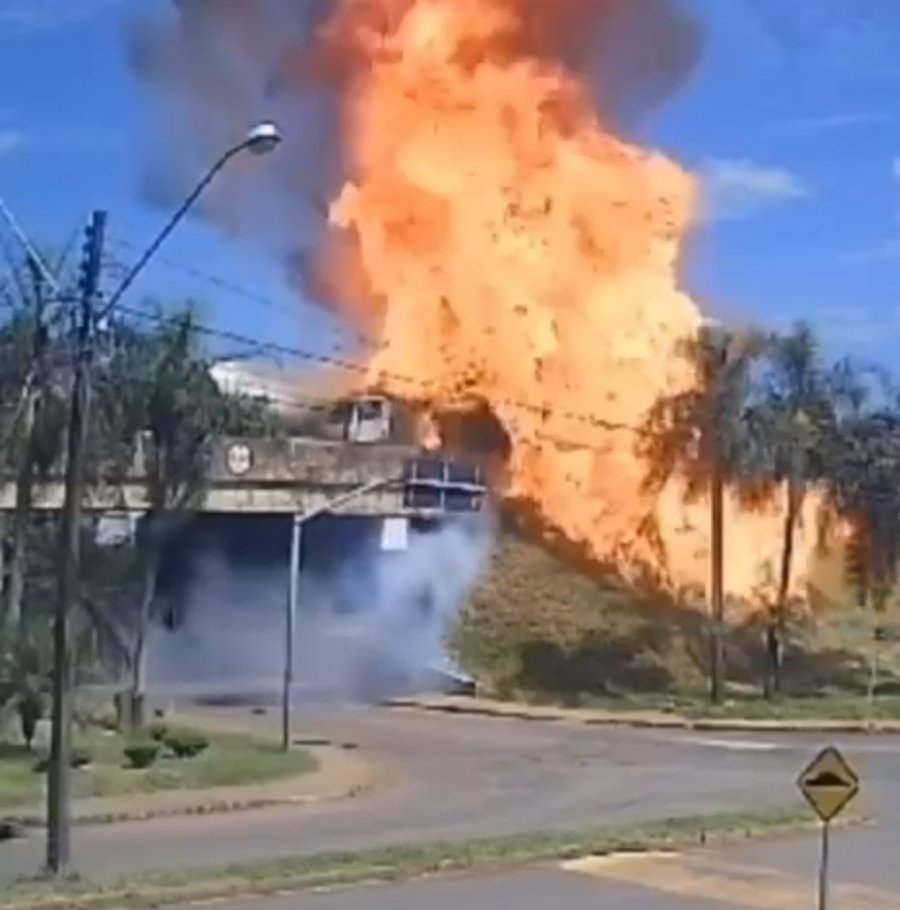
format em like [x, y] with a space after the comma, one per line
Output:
[158, 731]
[30, 708]
[106, 720]
[142, 753]
[186, 743]
[79, 758]
[11, 830]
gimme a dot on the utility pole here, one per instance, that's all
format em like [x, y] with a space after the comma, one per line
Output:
[59, 771]
[717, 594]
[718, 360]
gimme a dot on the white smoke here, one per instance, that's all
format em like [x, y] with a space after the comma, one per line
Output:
[377, 627]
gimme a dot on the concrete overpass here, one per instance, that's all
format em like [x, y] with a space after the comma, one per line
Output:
[298, 476]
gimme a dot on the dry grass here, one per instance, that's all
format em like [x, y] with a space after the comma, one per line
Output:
[535, 629]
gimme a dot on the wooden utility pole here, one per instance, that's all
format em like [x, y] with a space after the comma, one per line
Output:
[717, 594]
[59, 771]
[720, 359]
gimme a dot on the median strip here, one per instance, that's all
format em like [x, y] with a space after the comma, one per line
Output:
[396, 863]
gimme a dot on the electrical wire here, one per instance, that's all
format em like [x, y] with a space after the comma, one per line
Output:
[325, 360]
[231, 287]
[543, 411]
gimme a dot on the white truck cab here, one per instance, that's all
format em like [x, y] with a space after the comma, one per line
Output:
[368, 419]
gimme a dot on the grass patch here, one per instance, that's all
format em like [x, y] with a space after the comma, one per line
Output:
[393, 863]
[230, 760]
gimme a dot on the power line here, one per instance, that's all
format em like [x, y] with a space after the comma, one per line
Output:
[325, 360]
[543, 411]
[215, 280]
[295, 401]
[231, 287]
[274, 348]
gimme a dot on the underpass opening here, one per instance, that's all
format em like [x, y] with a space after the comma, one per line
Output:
[374, 604]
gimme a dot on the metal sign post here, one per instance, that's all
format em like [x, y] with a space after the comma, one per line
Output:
[829, 784]
[823, 866]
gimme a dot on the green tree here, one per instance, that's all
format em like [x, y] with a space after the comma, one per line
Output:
[26, 652]
[158, 405]
[865, 486]
[709, 438]
[25, 673]
[32, 413]
[866, 491]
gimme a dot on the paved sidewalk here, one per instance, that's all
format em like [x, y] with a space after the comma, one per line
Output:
[484, 707]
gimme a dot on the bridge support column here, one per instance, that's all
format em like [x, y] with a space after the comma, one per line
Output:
[290, 630]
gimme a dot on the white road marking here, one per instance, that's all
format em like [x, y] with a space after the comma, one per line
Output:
[737, 745]
[742, 887]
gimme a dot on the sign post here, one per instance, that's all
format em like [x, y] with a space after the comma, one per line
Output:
[828, 784]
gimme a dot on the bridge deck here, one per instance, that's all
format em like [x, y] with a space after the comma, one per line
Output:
[266, 476]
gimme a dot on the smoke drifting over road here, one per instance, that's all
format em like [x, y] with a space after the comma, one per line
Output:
[372, 624]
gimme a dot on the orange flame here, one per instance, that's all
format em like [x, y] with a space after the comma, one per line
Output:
[517, 259]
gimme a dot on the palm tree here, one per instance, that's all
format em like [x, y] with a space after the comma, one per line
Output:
[157, 400]
[866, 490]
[708, 437]
[797, 411]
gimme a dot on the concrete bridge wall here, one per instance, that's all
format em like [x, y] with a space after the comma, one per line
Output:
[265, 476]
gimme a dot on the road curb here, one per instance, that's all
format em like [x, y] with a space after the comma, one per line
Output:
[657, 722]
[357, 778]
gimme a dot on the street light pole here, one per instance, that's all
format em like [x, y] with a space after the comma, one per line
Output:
[290, 616]
[475, 491]
[261, 140]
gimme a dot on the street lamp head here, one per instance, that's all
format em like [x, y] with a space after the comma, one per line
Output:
[263, 138]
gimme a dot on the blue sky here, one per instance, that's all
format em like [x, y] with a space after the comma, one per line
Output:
[792, 119]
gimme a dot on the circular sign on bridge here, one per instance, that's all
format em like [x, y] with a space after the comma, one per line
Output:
[239, 458]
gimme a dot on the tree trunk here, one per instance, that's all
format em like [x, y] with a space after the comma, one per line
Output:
[137, 694]
[21, 523]
[717, 593]
[3, 559]
[25, 469]
[778, 614]
[872, 686]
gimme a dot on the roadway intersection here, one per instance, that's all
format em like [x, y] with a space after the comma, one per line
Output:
[454, 777]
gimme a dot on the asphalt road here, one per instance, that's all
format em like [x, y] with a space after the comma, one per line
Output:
[458, 777]
[526, 890]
